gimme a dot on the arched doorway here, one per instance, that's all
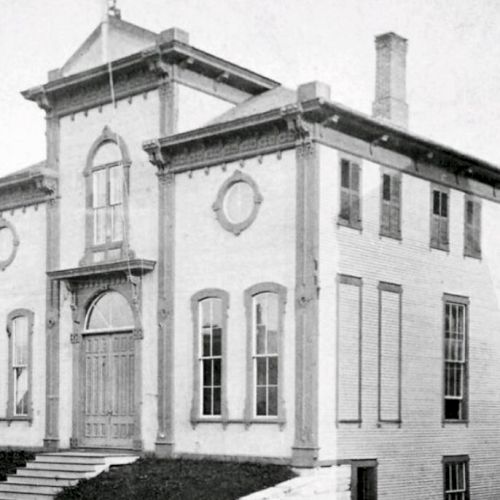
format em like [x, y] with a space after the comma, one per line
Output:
[108, 373]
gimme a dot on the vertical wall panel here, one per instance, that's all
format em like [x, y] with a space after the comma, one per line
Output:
[349, 350]
[389, 352]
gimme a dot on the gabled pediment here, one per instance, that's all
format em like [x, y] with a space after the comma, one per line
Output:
[123, 39]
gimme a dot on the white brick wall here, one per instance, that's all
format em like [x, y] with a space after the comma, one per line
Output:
[409, 456]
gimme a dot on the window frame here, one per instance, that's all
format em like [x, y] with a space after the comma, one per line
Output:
[465, 302]
[470, 250]
[12, 316]
[250, 415]
[438, 219]
[196, 415]
[352, 221]
[456, 459]
[390, 231]
[119, 246]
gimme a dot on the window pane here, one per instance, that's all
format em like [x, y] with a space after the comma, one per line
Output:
[261, 371]
[216, 342]
[207, 372]
[470, 212]
[21, 391]
[273, 370]
[273, 401]
[217, 372]
[345, 205]
[260, 347]
[110, 310]
[116, 185]
[207, 401]
[261, 406]
[354, 177]
[109, 152]
[20, 341]
[117, 223]
[206, 343]
[436, 208]
[272, 342]
[99, 226]
[216, 401]
[344, 181]
[99, 188]
[444, 204]
[386, 187]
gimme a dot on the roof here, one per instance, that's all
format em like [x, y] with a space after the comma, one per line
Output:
[34, 170]
[280, 96]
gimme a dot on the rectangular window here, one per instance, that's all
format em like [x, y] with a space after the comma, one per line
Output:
[349, 349]
[211, 355]
[455, 358]
[390, 301]
[350, 205]
[390, 211]
[456, 478]
[472, 227]
[440, 218]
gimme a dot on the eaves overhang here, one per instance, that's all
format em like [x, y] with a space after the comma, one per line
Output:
[323, 113]
[170, 53]
[30, 186]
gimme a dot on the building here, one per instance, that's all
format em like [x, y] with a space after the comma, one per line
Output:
[210, 264]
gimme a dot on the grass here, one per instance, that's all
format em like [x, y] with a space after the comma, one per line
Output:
[167, 479]
[10, 460]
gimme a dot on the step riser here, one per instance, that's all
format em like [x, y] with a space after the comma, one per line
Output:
[42, 481]
[29, 488]
[64, 467]
[43, 473]
[69, 460]
[24, 496]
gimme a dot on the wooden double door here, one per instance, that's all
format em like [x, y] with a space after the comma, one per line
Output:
[108, 384]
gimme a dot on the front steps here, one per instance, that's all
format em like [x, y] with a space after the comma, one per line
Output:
[49, 473]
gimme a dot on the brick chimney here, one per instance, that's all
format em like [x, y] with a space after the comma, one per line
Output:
[390, 81]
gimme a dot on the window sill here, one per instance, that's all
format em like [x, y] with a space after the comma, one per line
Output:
[393, 236]
[9, 420]
[225, 422]
[471, 255]
[353, 225]
[443, 248]
[350, 422]
[455, 422]
[381, 423]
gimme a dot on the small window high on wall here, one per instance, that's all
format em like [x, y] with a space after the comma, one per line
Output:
[20, 330]
[472, 227]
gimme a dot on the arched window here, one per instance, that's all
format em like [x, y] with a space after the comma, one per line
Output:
[265, 310]
[109, 312]
[209, 308]
[107, 199]
[20, 330]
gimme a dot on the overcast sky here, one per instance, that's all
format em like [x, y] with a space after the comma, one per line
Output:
[453, 57]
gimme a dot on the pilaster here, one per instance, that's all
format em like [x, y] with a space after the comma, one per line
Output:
[51, 440]
[305, 448]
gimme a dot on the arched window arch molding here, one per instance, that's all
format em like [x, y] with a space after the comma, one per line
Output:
[110, 250]
[196, 406]
[11, 317]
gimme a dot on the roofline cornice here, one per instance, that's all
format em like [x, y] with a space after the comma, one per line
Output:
[171, 52]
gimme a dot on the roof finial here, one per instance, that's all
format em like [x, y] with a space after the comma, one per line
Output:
[113, 10]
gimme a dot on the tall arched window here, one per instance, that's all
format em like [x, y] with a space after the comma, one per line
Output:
[107, 185]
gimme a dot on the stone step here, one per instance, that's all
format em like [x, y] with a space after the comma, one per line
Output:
[24, 496]
[42, 481]
[62, 474]
[71, 459]
[6, 487]
[61, 466]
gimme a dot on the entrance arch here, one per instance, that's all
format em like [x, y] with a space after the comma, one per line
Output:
[107, 404]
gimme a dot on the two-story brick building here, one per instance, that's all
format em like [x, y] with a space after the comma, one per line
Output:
[210, 264]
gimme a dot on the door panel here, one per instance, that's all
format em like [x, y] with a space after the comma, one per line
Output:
[108, 396]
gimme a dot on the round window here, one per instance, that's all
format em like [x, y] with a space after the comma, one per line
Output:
[8, 243]
[239, 202]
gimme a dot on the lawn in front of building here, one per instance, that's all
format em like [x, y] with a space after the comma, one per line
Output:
[168, 479]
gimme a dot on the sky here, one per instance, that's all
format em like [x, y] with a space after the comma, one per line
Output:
[453, 75]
